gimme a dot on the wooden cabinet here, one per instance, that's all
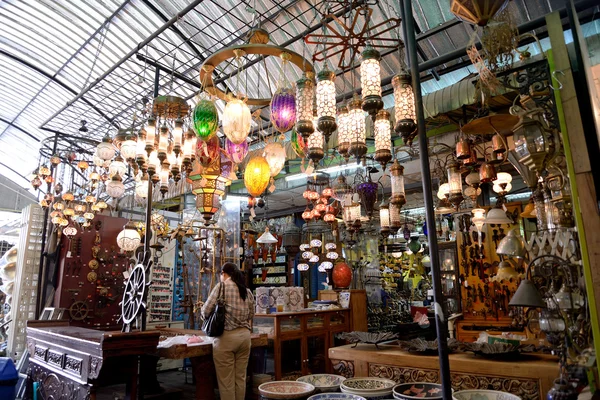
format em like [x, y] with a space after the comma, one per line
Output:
[299, 341]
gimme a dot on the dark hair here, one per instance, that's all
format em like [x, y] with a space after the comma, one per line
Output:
[237, 277]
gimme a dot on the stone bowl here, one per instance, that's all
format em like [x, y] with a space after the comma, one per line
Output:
[335, 396]
[285, 390]
[323, 382]
[484, 395]
[418, 390]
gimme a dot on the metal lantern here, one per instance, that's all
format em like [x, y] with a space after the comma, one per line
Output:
[404, 107]
[316, 143]
[325, 96]
[370, 81]
[299, 144]
[395, 222]
[455, 194]
[257, 175]
[384, 219]
[341, 188]
[463, 149]
[343, 131]
[274, 153]
[205, 118]
[305, 93]
[129, 238]
[383, 138]
[150, 135]
[283, 109]
[368, 194]
[236, 120]
[398, 197]
[356, 129]
[532, 143]
[487, 173]
[105, 150]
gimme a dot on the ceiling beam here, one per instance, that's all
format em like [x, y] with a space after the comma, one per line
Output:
[11, 123]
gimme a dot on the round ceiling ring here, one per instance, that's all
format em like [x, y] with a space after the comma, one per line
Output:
[261, 49]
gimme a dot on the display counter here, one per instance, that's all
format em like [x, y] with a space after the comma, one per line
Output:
[529, 377]
[304, 337]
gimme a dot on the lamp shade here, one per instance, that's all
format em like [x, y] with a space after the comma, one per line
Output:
[305, 93]
[512, 245]
[497, 216]
[283, 109]
[257, 175]
[274, 153]
[527, 295]
[236, 120]
[206, 119]
[325, 96]
[129, 238]
[105, 150]
[267, 238]
[505, 273]
[383, 142]
[236, 152]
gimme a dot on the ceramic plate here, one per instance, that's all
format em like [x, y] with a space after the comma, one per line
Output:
[323, 382]
[418, 390]
[368, 384]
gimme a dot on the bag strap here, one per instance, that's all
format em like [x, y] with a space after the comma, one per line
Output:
[221, 291]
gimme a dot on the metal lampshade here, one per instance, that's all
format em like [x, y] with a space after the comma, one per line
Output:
[267, 238]
[497, 216]
[505, 273]
[527, 295]
[512, 245]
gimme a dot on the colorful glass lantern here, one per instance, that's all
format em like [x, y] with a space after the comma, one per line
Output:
[370, 81]
[236, 152]
[55, 160]
[398, 197]
[305, 92]
[236, 120]
[303, 267]
[455, 184]
[307, 215]
[206, 118]
[105, 150]
[383, 138]
[257, 175]
[356, 129]
[329, 218]
[82, 165]
[316, 150]
[325, 96]
[404, 107]
[274, 153]
[299, 145]
[343, 132]
[368, 194]
[129, 238]
[283, 109]
[208, 151]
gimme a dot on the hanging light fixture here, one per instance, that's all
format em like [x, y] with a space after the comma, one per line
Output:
[257, 175]
[343, 132]
[341, 188]
[55, 160]
[487, 173]
[164, 178]
[455, 194]
[398, 197]
[205, 117]
[105, 149]
[325, 96]
[384, 219]
[305, 93]
[502, 184]
[236, 152]
[404, 107]
[274, 153]
[368, 194]
[115, 187]
[299, 144]
[236, 120]
[128, 148]
[383, 138]
[267, 238]
[189, 150]
[316, 145]
[395, 222]
[478, 219]
[283, 102]
[117, 167]
[370, 81]
[533, 142]
[129, 238]
[141, 156]
[141, 187]
[356, 129]
[463, 148]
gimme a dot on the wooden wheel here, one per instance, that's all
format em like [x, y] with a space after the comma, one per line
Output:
[79, 311]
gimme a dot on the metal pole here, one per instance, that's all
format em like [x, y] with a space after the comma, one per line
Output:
[441, 328]
[41, 269]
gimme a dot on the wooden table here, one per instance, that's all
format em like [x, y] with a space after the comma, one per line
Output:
[71, 362]
[530, 377]
[200, 356]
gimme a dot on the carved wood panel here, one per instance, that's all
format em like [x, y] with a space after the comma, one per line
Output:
[55, 387]
[344, 368]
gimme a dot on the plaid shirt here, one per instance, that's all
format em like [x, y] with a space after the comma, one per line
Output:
[238, 312]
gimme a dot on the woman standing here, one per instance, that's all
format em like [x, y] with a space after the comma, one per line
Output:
[231, 350]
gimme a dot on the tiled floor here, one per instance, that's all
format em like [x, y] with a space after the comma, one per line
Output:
[169, 380]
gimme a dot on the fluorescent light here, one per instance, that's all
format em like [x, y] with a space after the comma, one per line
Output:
[329, 170]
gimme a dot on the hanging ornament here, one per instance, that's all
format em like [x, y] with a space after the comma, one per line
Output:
[343, 132]
[115, 187]
[208, 151]
[383, 138]
[398, 197]
[129, 238]
[305, 92]
[283, 102]
[206, 118]
[316, 151]
[368, 194]
[236, 120]
[326, 102]
[117, 167]
[274, 153]
[105, 150]
[257, 175]
[236, 152]
[356, 129]
[404, 107]
[370, 81]
[299, 145]
[341, 188]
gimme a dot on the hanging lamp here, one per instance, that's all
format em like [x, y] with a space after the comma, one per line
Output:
[283, 102]
[257, 175]
[305, 93]
[325, 95]
[383, 138]
[236, 120]
[398, 197]
[370, 81]
[356, 129]
[205, 118]
[343, 134]
[404, 107]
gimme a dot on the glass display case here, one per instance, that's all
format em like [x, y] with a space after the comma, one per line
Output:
[449, 271]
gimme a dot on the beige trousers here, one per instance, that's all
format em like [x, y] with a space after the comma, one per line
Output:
[231, 352]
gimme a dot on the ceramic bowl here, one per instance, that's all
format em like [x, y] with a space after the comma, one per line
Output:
[323, 382]
[370, 388]
[335, 396]
[418, 390]
[285, 390]
[484, 395]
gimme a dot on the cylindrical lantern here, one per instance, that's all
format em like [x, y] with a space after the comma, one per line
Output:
[206, 119]
[178, 136]
[326, 102]
[383, 138]
[236, 152]
[153, 163]
[395, 222]
[404, 107]
[463, 149]
[316, 151]
[351, 213]
[487, 173]
[163, 143]
[257, 175]
[129, 238]
[150, 134]
[356, 129]
[455, 184]
[236, 120]
[274, 153]
[370, 81]
[140, 150]
[384, 219]
[305, 92]
[283, 109]
[397, 179]
[343, 131]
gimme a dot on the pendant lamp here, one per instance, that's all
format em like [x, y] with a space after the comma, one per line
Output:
[325, 96]
[404, 107]
[274, 153]
[257, 175]
[356, 129]
[383, 138]
[205, 118]
[370, 81]
[305, 93]
[236, 120]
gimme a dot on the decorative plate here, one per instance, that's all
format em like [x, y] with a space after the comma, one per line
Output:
[498, 350]
[335, 396]
[367, 337]
[368, 384]
[285, 390]
[418, 390]
[323, 382]
[484, 395]
[426, 347]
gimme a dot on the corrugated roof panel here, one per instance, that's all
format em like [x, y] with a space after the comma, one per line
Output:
[19, 151]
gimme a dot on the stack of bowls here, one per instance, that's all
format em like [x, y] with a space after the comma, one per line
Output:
[323, 383]
[369, 388]
[286, 390]
[418, 390]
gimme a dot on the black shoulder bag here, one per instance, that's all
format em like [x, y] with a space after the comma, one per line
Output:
[214, 324]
